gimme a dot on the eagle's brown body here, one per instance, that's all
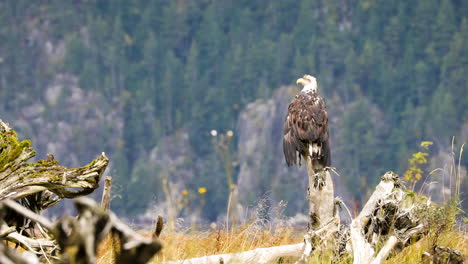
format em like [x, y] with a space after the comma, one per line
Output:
[306, 130]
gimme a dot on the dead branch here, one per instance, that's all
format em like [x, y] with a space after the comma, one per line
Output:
[9, 256]
[158, 227]
[27, 213]
[388, 219]
[316, 238]
[106, 193]
[362, 250]
[19, 178]
[78, 237]
[267, 255]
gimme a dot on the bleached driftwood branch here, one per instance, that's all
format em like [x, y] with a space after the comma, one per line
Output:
[362, 250]
[37, 186]
[385, 219]
[106, 193]
[9, 256]
[315, 238]
[78, 238]
[19, 178]
[259, 255]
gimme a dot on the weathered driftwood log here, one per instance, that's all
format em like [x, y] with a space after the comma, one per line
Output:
[386, 219]
[19, 178]
[10, 256]
[320, 194]
[363, 251]
[37, 186]
[259, 255]
[330, 237]
[267, 255]
[78, 237]
[319, 238]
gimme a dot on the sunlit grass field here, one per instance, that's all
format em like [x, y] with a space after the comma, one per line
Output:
[190, 244]
[456, 239]
[178, 245]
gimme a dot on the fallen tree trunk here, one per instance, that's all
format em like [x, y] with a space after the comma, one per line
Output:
[259, 255]
[265, 255]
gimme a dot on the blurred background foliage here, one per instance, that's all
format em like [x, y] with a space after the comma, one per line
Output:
[194, 65]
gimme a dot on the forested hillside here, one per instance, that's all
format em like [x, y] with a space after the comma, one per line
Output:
[130, 77]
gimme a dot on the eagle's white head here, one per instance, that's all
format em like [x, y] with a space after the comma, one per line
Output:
[309, 83]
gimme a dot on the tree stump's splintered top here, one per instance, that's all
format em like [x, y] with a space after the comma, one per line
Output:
[19, 178]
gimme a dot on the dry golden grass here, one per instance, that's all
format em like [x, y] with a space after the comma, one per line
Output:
[191, 244]
[247, 237]
[412, 254]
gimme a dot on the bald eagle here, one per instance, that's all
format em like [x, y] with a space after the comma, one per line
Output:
[306, 127]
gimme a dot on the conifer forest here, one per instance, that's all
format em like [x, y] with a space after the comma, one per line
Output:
[167, 88]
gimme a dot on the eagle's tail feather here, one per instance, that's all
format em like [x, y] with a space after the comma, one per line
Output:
[314, 150]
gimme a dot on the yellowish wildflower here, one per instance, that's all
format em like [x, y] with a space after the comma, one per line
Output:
[426, 144]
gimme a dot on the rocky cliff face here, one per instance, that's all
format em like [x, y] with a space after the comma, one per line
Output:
[69, 123]
[68, 115]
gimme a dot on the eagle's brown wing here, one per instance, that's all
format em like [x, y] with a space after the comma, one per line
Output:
[306, 123]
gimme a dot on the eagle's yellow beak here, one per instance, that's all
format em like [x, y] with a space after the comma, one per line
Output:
[301, 80]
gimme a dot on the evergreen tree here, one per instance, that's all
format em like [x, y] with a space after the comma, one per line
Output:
[454, 77]
[194, 65]
[361, 160]
[442, 32]
[442, 107]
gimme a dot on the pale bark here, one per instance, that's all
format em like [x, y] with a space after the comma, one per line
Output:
[37, 186]
[320, 194]
[362, 250]
[385, 251]
[384, 206]
[19, 179]
[317, 238]
[8, 256]
[106, 193]
[259, 255]
[267, 255]
[78, 238]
